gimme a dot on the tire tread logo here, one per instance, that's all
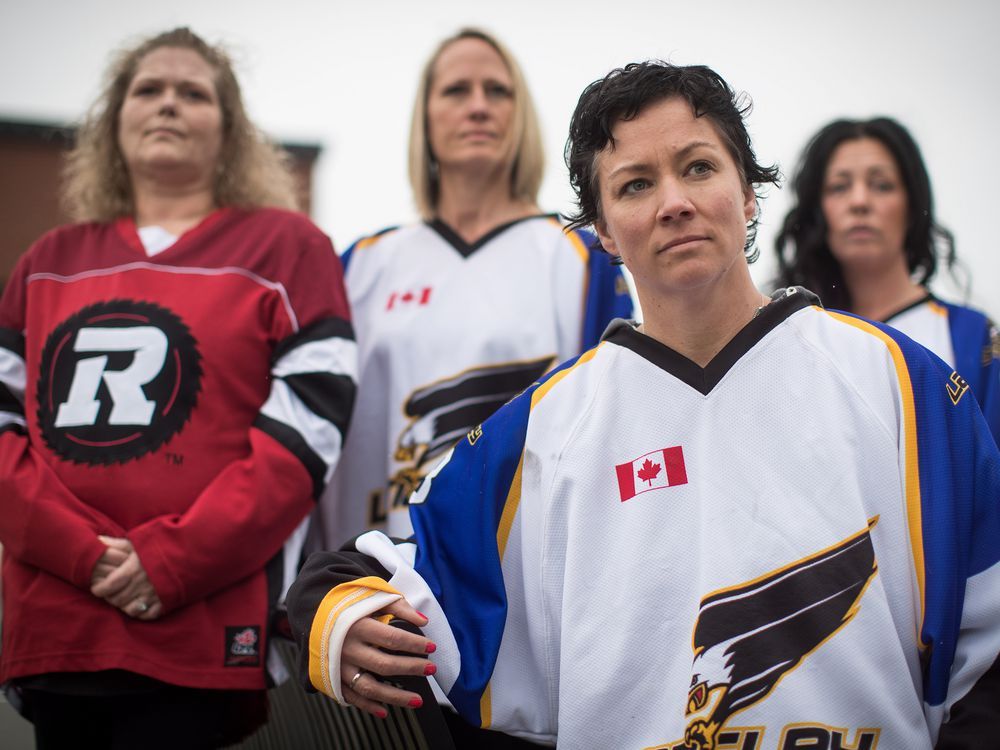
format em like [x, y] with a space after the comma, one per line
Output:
[117, 380]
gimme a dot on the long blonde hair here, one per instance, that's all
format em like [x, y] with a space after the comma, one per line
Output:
[526, 137]
[252, 171]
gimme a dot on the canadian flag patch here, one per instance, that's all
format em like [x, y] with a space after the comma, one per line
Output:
[653, 471]
[420, 296]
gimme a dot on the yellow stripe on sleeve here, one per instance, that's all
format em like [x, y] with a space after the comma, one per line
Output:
[514, 493]
[912, 470]
[576, 242]
[510, 507]
[584, 255]
[512, 503]
[336, 601]
[366, 242]
[549, 384]
[581, 250]
[486, 708]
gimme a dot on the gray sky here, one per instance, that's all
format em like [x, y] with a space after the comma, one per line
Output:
[342, 75]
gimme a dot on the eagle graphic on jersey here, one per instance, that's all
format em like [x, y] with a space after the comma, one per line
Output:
[750, 636]
[443, 411]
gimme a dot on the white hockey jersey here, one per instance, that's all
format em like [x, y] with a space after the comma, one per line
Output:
[795, 546]
[447, 333]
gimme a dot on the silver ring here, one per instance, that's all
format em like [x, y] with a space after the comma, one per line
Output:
[142, 606]
[354, 680]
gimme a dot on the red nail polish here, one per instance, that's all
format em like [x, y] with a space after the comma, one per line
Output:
[431, 648]
[430, 669]
[423, 615]
[416, 703]
[381, 713]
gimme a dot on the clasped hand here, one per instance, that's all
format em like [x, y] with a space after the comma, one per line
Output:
[120, 580]
[365, 657]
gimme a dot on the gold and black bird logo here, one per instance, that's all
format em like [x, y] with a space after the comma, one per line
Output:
[749, 636]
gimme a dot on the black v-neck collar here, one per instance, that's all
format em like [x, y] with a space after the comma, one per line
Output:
[784, 302]
[450, 236]
[922, 301]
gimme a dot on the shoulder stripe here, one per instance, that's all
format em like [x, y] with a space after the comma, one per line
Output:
[366, 242]
[370, 240]
[320, 330]
[543, 390]
[361, 244]
[180, 270]
[576, 242]
[913, 497]
[937, 308]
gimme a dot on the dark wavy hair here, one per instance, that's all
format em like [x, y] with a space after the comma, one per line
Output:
[804, 257]
[623, 94]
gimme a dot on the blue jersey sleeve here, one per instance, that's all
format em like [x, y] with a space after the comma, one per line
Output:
[976, 343]
[457, 515]
[958, 559]
[462, 515]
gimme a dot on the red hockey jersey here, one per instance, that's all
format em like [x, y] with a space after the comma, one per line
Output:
[194, 402]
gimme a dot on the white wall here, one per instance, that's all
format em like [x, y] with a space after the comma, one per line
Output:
[343, 74]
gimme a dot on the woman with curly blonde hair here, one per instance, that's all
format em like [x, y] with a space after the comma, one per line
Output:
[176, 377]
[250, 171]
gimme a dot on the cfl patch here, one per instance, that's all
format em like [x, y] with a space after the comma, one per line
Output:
[242, 646]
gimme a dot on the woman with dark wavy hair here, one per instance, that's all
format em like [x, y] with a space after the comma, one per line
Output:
[176, 375]
[862, 234]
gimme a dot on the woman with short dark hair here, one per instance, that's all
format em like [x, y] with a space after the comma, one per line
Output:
[746, 521]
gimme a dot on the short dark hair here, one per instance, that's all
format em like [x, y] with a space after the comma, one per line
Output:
[623, 93]
[804, 257]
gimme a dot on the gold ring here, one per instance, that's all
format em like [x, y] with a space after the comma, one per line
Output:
[354, 680]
